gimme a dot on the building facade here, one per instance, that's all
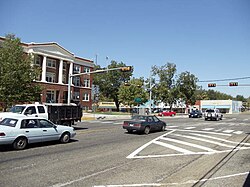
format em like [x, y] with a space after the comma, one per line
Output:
[225, 106]
[57, 64]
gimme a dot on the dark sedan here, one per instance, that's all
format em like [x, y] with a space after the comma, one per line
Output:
[195, 114]
[144, 123]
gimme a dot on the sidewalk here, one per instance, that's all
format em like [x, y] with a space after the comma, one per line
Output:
[90, 116]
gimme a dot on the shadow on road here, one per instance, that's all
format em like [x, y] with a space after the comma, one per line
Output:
[247, 182]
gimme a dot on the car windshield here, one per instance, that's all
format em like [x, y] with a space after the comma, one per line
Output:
[17, 109]
[141, 118]
[9, 122]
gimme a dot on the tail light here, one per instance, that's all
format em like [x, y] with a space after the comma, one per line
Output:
[125, 124]
[2, 134]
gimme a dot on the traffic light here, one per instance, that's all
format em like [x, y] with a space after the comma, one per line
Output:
[212, 85]
[126, 68]
[233, 84]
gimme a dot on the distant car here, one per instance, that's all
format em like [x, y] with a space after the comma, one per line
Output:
[20, 131]
[144, 123]
[195, 114]
[213, 114]
[167, 113]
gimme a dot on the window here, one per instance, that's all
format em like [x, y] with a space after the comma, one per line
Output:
[76, 69]
[51, 96]
[86, 70]
[86, 83]
[38, 60]
[29, 123]
[76, 96]
[30, 110]
[45, 124]
[76, 81]
[64, 79]
[64, 65]
[51, 63]
[85, 97]
[50, 77]
[41, 109]
[9, 122]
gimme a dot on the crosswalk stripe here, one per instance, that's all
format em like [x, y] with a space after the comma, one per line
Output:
[207, 129]
[185, 151]
[190, 128]
[220, 139]
[204, 140]
[188, 144]
[228, 131]
[238, 132]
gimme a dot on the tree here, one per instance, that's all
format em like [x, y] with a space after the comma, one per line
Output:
[187, 84]
[128, 92]
[110, 82]
[17, 74]
[166, 90]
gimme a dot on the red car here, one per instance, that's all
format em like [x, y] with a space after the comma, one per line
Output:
[167, 113]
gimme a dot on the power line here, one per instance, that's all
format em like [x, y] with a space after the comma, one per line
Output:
[220, 80]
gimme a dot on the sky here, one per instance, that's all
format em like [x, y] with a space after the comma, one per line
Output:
[208, 38]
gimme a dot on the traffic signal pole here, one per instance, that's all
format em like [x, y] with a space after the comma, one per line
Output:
[123, 69]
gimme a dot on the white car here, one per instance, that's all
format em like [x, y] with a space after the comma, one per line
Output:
[19, 131]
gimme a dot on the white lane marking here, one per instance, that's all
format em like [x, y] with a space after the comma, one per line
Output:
[218, 130]
[207, 129]
[171, 126]
[132, 155]
[189, 144]
[205, 132]
[176, 183]
[220, 139]
[238, 132]
[184, 151]
[245, 119]
[228, 131]
[204, 140]
[188, 128]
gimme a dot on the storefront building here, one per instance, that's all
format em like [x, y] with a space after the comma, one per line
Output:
[57, 64]
[225, 106]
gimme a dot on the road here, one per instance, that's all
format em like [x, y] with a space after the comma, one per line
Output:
[191, 152]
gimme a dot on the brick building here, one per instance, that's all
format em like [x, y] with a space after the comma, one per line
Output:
[57, 64]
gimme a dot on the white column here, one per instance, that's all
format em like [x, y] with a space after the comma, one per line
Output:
[44, 69]
[60, 74]
[71, 70]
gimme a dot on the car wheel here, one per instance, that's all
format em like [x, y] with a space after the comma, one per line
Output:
[172, 115]
[163, 128]
[147, 130]
[65, 137]
[20, 143]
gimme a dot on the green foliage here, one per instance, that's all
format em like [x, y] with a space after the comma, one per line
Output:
[166, 90]
[110, 82]
[16, 74]
[187, 84]
[134, 89]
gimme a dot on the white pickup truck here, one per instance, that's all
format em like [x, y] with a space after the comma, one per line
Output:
[58, 113]
[213, 114]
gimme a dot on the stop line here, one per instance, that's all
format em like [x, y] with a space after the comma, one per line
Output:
[188, 142]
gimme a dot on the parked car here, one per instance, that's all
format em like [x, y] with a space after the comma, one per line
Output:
[195, 114]
[213, 114]
[144, 123]
[167, 113]
[21, 130]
